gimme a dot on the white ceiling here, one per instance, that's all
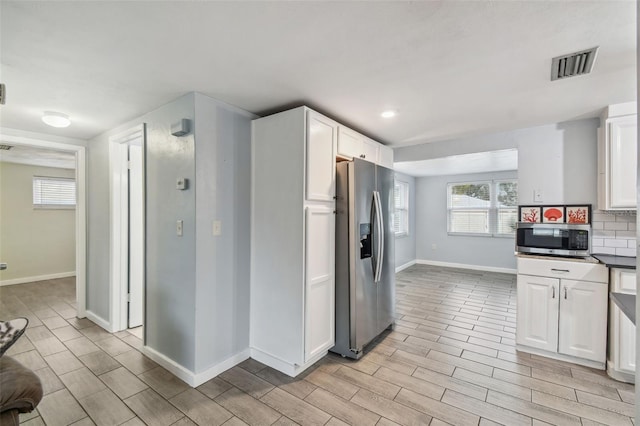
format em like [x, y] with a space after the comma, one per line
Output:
[450, 68]
[22, 154]
[478, 162]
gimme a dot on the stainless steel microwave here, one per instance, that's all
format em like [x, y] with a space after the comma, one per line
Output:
[561, 239]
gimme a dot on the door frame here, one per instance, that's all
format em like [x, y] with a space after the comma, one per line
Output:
[119, 229]
[39, 140]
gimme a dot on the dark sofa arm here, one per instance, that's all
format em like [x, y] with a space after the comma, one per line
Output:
[20, 388]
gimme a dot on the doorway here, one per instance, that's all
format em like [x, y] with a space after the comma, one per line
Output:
[76, 148]
[127, 228]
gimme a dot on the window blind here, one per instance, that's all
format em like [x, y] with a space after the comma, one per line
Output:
[54, 192]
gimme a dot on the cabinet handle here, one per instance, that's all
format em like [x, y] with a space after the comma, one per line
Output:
[553, 292]
[560, 270]
[565, 293]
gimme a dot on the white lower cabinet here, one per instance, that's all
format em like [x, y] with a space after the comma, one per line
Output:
[561, 315]
[621, 363]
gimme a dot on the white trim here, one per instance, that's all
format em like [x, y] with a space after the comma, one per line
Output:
[24, 280]
[620, 376]
[291, 370]
[405, 266]
[561, 357]
[99, 321]
[119, 222]
[188, 376]
[466, 266]
[221, 367]
[19, 137]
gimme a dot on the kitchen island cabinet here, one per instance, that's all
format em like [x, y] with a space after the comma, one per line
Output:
[562, 310]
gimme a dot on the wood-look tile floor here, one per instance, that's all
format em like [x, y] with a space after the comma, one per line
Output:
[450, 360]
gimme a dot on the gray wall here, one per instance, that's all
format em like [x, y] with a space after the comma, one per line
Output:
[223, 192]
[431, 227]
[559, 160]
[196, 310]
[405, 249]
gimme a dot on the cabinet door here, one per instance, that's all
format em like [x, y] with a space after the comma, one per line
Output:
[537, 312]
[370, 150]
[385, 157]
[624, 341]
[623, 137]
[321, 163]
[583, 319]
[349, 143]
[320, 280]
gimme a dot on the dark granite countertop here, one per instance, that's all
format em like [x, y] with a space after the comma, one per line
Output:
[612, 261]
[626, 303]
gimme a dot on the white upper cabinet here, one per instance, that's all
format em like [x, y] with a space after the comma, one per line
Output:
[352, 144]
[385, 157]
[321, 163]
[617, 158]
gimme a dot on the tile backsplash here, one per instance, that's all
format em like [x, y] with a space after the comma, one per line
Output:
[614, 233]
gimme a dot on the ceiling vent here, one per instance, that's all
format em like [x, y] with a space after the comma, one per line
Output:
[573, 64]
[5, 147]
[3, 93]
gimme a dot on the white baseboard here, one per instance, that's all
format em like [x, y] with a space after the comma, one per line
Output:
[466, 266]
[37, 278]
[291, 370]
[99, 321]
[405, 266]
[188, 376]
[212, 372]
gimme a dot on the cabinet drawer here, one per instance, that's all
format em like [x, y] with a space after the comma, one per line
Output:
[563, 269]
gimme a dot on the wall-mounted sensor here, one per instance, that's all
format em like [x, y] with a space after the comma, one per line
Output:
[182, 183]
[180, 128]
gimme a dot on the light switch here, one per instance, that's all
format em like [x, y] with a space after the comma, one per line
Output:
[179, 228]
[217, 227]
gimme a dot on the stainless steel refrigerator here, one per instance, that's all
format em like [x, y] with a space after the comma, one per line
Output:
[365, 263]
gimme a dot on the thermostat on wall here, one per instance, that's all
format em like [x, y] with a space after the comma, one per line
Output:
[182, 183]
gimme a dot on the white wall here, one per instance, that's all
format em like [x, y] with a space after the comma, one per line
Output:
[431, 227]
[35, 243]
[405, 249]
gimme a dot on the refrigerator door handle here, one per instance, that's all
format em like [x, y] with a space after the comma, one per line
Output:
[380, 237]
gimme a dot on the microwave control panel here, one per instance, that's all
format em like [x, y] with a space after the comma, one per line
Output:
[579, 240]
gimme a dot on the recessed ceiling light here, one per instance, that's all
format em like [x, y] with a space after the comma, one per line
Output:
[388, 114]
[56, 119]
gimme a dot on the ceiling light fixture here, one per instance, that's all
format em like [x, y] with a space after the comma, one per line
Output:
[388, 114]
[56, 119]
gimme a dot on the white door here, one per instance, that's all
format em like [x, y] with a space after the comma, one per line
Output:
[321, 161]
[136, 236]
[319, 326]
[625, 352]
[537, 312]
[583, 319]
[623, 134]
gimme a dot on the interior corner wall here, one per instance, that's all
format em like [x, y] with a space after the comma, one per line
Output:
[37, 244]
[431, 227]
[405, 249]
[170, 259]
[223, 193]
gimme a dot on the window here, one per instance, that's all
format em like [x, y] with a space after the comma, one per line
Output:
[401, 216]
[483, 208]
[54, 193]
